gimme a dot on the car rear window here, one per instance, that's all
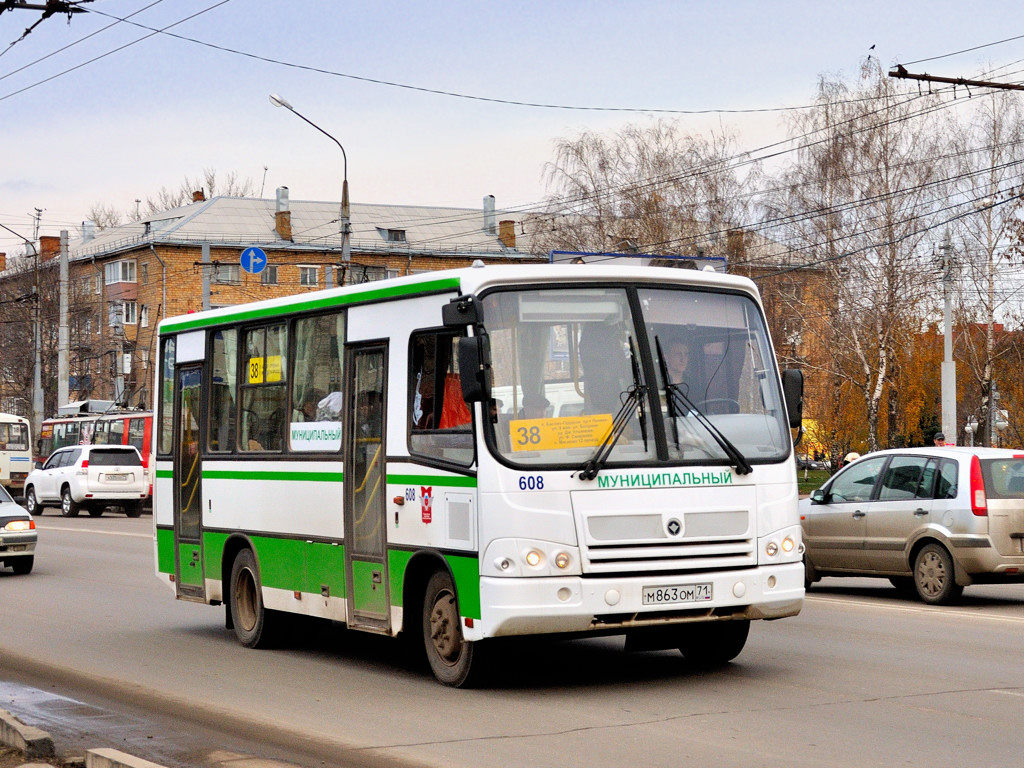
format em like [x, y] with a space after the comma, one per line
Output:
[1004, 478]
[118, 456]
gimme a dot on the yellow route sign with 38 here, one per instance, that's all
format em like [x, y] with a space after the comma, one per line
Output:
[567, 432]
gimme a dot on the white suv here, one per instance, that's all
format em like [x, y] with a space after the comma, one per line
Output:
[90, 477]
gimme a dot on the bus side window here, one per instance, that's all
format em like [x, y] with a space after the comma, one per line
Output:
[440, 421]
[263, 389]
[316, 382]
[223, 390]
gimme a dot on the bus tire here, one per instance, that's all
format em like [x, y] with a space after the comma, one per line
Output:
[252, 622]
[68, 506]
[713, 643]
[133, 509]
[453, 661]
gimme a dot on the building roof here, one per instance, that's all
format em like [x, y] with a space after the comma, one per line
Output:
[246, 221]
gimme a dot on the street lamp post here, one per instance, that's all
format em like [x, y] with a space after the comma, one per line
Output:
[37, 365]
[346, 225]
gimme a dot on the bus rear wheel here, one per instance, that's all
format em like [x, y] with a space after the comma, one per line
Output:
[453, 660]
[713, 643]
[252, 622]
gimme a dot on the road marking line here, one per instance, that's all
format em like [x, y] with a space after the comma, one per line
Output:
[923, 610]
[1009, 693]
[90, 530]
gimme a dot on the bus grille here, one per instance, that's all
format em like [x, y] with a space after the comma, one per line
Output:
[667, 541]
[681, 556]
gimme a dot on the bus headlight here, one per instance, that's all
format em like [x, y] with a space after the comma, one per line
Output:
[782, 546]
[530, 557]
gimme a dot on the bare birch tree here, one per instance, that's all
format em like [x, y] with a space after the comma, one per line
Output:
[648, 189]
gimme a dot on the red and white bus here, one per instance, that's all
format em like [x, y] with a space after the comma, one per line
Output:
[113, 427]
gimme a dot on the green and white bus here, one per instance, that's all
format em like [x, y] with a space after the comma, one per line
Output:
[390, 456]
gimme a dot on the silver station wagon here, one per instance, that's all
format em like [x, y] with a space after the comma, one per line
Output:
[934, 520]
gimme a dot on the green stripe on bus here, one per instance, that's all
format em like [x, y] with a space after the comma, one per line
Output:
[164, 550]
[296, 565]
[466, 571]
[377, 294]
[272, 474]
[453, 481]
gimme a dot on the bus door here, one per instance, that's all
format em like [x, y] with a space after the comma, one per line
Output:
[366, 573]
[188, 549]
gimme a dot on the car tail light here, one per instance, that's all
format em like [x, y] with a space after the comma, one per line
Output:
[145, 462]
[85, 463]
[979, 504]
[84, 469]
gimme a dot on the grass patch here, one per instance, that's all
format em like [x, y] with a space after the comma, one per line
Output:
[809, 479]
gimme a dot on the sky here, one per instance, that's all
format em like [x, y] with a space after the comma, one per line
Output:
[97, 111]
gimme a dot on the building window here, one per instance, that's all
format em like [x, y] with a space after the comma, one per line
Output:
[145, 273]
[392, 235]
[226, 274]
[120, 272]
[362, 273]
[269, 275]
[144, 316]
[123, 313]
[309, 276]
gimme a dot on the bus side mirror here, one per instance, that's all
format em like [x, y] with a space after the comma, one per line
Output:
[462, 311]
[475, 368]
[793, 390]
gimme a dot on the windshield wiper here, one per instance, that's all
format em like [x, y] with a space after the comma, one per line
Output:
[679, 404]
[635, 396]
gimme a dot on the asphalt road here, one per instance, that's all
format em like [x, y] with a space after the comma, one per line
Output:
[96, 646]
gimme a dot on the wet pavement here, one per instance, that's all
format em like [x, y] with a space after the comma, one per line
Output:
[76, 726]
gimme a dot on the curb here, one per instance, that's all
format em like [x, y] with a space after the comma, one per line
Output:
[36, 743]
[31, 741]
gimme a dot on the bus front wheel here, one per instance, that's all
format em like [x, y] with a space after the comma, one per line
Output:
[453, 661]
[253, 623]
[713, 643]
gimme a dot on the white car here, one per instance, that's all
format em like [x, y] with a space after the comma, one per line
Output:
[17, 535]
[932, 520]
[89, 477]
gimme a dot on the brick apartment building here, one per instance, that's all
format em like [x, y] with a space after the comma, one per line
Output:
[124, 280]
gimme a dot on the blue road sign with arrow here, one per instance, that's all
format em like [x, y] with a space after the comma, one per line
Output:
[253, 260]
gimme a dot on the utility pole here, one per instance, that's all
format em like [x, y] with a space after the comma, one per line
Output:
[63, 372]
[37, 365]
[949, 424]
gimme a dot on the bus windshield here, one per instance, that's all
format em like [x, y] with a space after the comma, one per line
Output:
[633, 376]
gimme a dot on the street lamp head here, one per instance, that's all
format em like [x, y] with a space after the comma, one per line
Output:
[277, 101]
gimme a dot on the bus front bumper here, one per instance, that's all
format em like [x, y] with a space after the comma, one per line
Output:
[530, 606]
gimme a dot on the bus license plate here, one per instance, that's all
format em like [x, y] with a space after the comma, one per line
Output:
[115, 476]
[680, 593]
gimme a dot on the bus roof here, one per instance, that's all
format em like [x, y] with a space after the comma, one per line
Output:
[464, 280]
[9, 417]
